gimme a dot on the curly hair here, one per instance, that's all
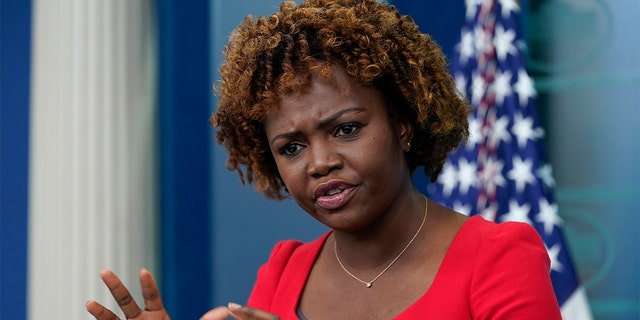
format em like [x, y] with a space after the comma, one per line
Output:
[271, 56]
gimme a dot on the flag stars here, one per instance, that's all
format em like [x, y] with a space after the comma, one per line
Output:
[499, 132]
[503, 42]
[521, 173]
[448, 178]
[462, 208]
[483, 41]
[466, 46]
[461, 84]
[523, 130]
[502, 86]
[517, 213]
[472, 8]
[553, 253]
[467, 175]
[545, 173]
[524, 87]
[490, 212]
[508, 6]
[548, 215]
[478, 88]
[491, 175]
[475, 134]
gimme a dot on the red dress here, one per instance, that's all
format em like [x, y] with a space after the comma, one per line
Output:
[491, 271]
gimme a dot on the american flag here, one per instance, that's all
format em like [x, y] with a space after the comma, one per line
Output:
[501, 172]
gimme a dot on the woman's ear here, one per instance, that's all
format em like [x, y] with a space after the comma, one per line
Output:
[404, 129]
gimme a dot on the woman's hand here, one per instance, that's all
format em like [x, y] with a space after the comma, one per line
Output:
[153, 308]
[153, 303]
[238, 312]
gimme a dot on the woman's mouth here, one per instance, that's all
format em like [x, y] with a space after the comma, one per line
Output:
[333, 195]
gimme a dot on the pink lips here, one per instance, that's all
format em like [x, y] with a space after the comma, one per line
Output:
[333, 194]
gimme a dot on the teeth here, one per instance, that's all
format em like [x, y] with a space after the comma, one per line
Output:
[334, 191]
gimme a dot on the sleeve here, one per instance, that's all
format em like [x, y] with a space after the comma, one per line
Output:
[511, 276]
[269, 275]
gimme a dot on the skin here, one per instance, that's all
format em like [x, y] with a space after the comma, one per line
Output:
[153, 307]
[152, 301]
[325, 134]
[340, 132]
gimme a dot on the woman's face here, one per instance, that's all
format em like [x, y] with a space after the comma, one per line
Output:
[338, 152]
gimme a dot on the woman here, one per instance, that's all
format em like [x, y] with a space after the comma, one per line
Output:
[336, 103]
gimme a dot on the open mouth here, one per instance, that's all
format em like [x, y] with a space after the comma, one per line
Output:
[333, 192]
[335, 198]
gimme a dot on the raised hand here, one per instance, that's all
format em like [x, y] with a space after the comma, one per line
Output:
[153, 308]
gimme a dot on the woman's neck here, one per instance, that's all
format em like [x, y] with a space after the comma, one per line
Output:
[386, 237]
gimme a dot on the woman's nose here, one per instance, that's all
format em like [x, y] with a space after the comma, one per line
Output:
[323, 159]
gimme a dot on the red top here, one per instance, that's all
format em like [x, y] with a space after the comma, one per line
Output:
[491, 271]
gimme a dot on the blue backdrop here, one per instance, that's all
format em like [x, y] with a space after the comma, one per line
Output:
[185, 97]
[15, 50]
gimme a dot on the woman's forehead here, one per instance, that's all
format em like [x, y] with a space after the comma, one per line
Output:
[323, 99]
[335, 77]
[301, 83]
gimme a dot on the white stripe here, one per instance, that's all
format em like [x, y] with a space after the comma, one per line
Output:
[576, 307]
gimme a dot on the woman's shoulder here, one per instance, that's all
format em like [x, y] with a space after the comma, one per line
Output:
[511, 268]
[481, 240]
[505, 245]
[479, 228]
[284, 250]
[290, 260]
[290, 254]
[502, 267]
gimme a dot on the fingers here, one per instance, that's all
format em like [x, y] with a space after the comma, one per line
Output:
[239, 312]
[152, 299]
[120, 294]
[219, 313]
[99, 312]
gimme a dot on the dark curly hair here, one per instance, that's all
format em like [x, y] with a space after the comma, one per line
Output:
[371, 41]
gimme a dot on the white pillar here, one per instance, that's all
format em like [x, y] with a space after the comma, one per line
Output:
[93, 155]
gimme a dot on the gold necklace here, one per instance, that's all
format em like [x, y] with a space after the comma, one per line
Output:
[370, 283]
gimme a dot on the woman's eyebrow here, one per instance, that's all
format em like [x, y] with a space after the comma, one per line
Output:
[339, 114]
[287, 135]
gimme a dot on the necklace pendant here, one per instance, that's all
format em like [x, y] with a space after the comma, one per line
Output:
[368, 284]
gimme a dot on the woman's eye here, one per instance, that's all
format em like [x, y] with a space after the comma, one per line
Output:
[347, 129]
[290, 149]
